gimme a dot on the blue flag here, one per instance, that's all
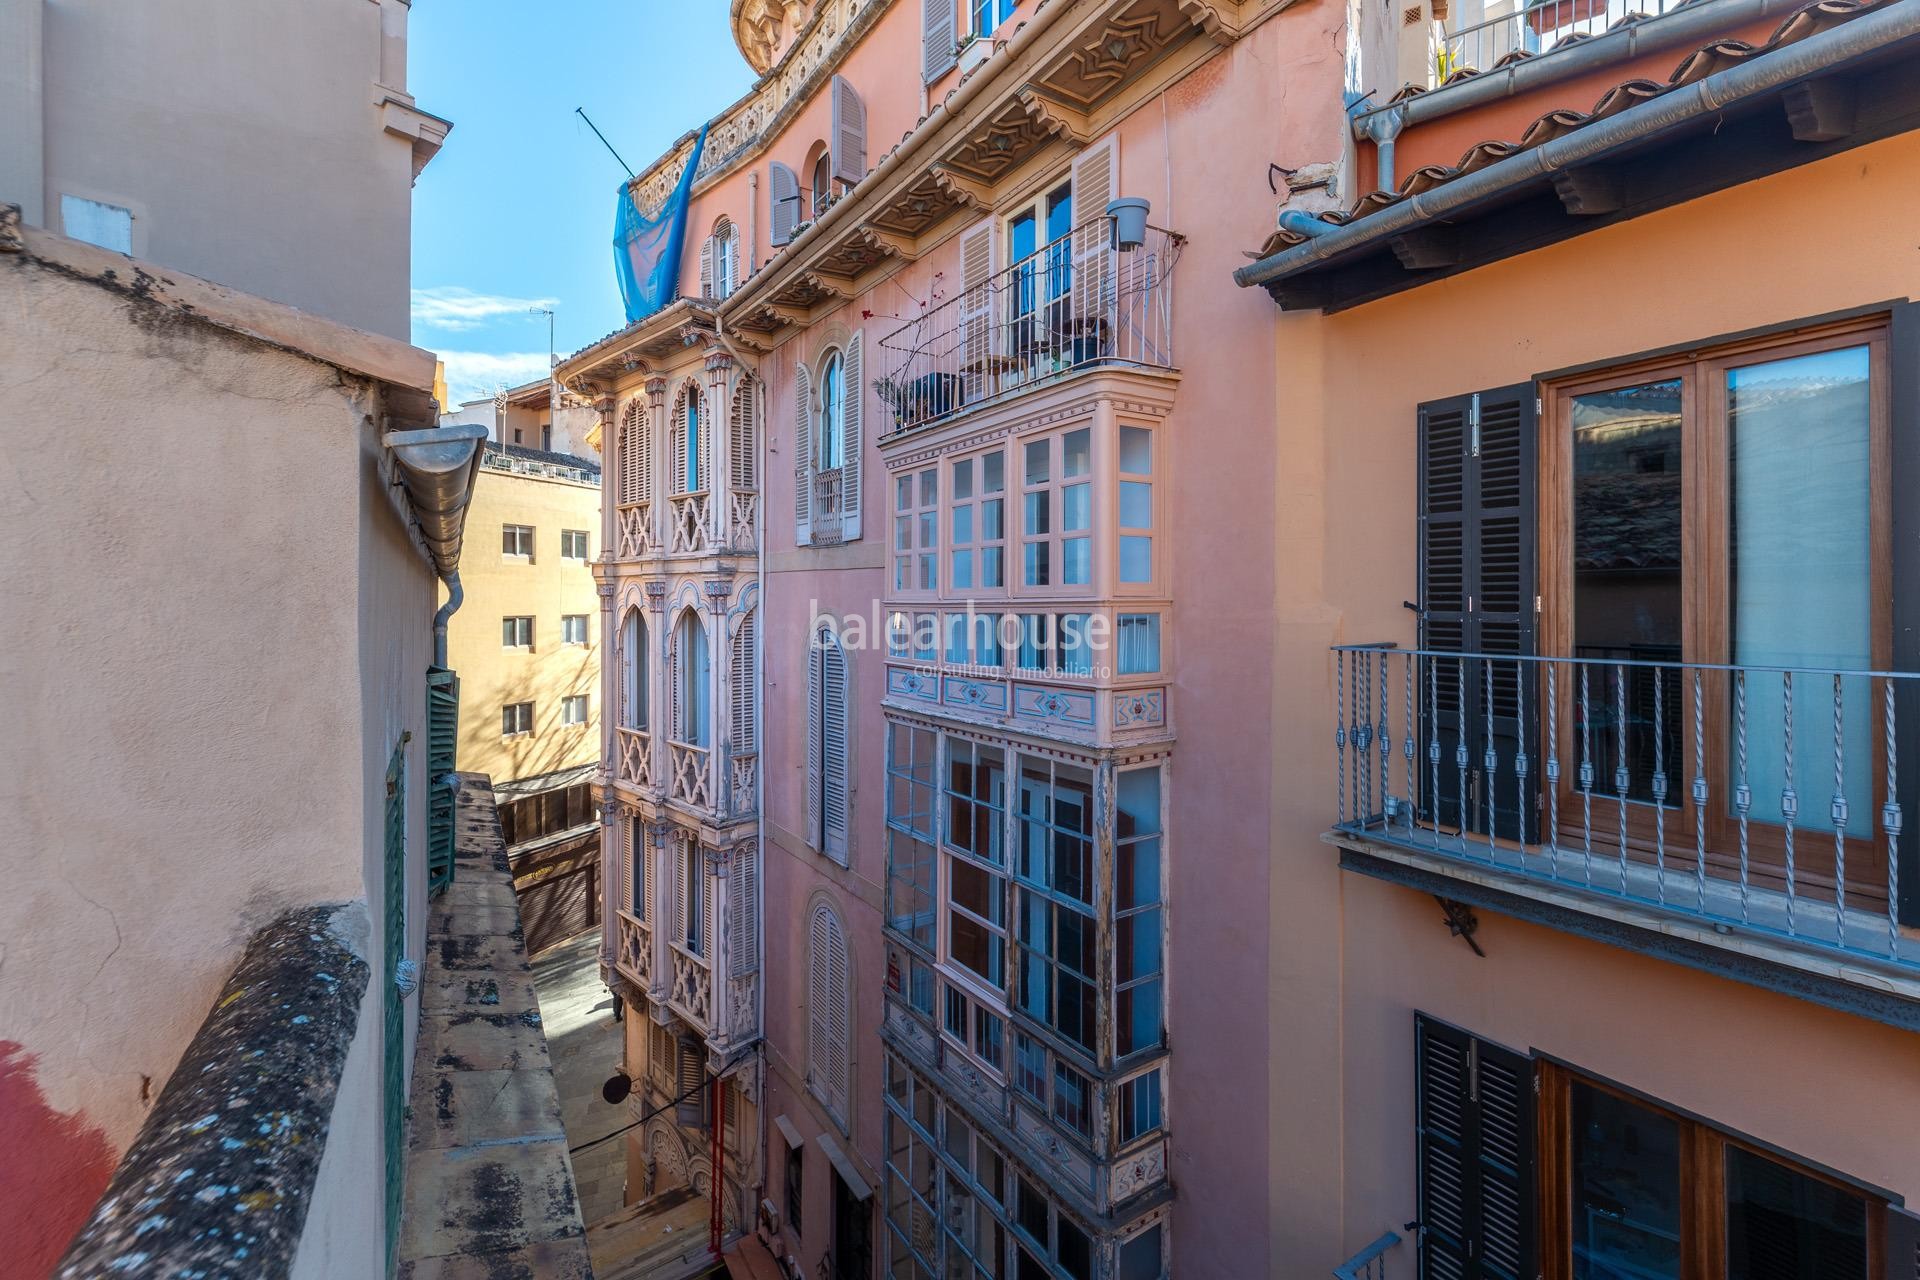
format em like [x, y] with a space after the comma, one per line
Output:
[646, 251]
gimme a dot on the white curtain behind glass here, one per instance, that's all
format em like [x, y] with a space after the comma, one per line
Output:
[1802, 573]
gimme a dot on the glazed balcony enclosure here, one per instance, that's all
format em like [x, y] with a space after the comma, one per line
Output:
[1757, 809]
[1087, 298]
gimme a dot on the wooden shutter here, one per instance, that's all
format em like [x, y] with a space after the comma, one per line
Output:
[1094, 184]
[833, 750]
[743, 439]
[740, 675]
[827, 1008]
[689, 1084]
[817, 645]
[977, 328]
[1475, 1106]
[680, 424]
[676, 685]
[635, 475]
[1903, 1244]
[849, 132]
[783, 203]
[743, 910]
[1478, 525]
[802, 454]
[939, 41]
[854, 396]
[707, 248]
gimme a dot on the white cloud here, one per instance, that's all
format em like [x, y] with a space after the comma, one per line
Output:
[475, 375]
[451, 307]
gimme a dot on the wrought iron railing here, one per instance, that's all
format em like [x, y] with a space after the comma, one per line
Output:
[500, 460]
[1076, 302]
[1371, 1262]
[1533, 28]
[1762, 799]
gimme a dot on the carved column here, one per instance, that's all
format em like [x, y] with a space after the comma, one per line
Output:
[657, 676]
[660, 976]
[719, 368]
[720, 738]
[609, 832]
[719, 952]
[658, 429]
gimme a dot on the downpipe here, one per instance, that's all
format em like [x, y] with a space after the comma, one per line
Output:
[444, 614]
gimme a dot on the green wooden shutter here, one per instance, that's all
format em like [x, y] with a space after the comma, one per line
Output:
[1474, 1109]
[393, 1027]
[1478, 531]
[443, 730]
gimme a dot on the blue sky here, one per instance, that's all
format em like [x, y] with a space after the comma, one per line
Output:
[517, 209]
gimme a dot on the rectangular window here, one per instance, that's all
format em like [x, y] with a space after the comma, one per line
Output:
[516, 718]
[637, 867]
[1030, 1067]
[573, 628]
[1137, 637]
[573, 544]
[976, 523]
[573, 709]
[1136, 505]
[796, 1185]
[1138, 914]
[916, 530]
[516, 633]
[1139, 1107]
[912, 778]
[516, 540]
[693, 906]
[989, 14]
[1072, 1099]
[1054, 867]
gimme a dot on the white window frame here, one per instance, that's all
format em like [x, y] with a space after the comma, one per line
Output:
[916, 531]
[516, 632]
[516, 719]
[575, 630]
[976, 505]
[516, 543]
[569, 705]
[574, 545]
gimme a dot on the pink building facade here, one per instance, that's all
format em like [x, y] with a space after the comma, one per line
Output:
[1003, 647]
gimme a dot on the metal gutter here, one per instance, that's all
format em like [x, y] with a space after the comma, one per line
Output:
[1693, 25]
[1864, 35]
[438, 467]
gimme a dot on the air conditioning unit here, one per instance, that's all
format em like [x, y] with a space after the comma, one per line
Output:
[769, 1221]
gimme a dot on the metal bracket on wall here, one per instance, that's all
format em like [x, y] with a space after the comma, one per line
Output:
[1461, 922]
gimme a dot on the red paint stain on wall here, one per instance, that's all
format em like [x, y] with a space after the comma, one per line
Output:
[56, 1168]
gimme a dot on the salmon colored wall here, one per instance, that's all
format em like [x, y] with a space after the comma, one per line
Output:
[1345, 505]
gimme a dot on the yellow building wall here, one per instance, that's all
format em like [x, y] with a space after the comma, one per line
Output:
[545, 588]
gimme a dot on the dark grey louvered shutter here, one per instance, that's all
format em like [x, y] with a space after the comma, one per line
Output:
[1903, 1244]
[1475, 1111]
[849, 133]
[1904, 374]
[1478, 530]
[783, 202]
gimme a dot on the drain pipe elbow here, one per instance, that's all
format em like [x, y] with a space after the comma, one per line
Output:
[1301, 223]
[1383, 128]
[455, 596]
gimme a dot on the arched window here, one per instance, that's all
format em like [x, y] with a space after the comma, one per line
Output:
[822, 183]
[720, 260]
[827, 745]
[829, 1005]
[833, 412]
[692, 682]
[633, 671]
[687, 474]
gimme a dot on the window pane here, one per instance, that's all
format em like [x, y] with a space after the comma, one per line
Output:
[1039, 513]
[1038, 452]
[1136, 505]
[1139, 643]
[963, 525]
[962, 570]
[1783, 1225]
[1039, 569]
[993, 473]
[1140, 1256]
[1798, 435]
[1076, 507]
[992, 522]
[1076, 561]
[1136, 559]
[1075, 452]
[993, 567]
[1136, 451]
[1627, 565]
[903, 494]
[1626, 1189]
[929, 487]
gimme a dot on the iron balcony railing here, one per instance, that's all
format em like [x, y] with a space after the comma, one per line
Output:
[498, 460]
[1532, 28]
[1371, 1262]
[1076, 302]
[1764, 799]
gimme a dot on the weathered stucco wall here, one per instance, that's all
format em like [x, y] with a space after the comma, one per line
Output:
[200, 711]
[248, 140]
[1353, 958]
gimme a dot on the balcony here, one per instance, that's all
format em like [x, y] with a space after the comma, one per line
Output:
[1076, 303]
[690, 779]
[634, 530]
[1481, 43]
[689, 532]
[633, 758]
[1745, 819]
